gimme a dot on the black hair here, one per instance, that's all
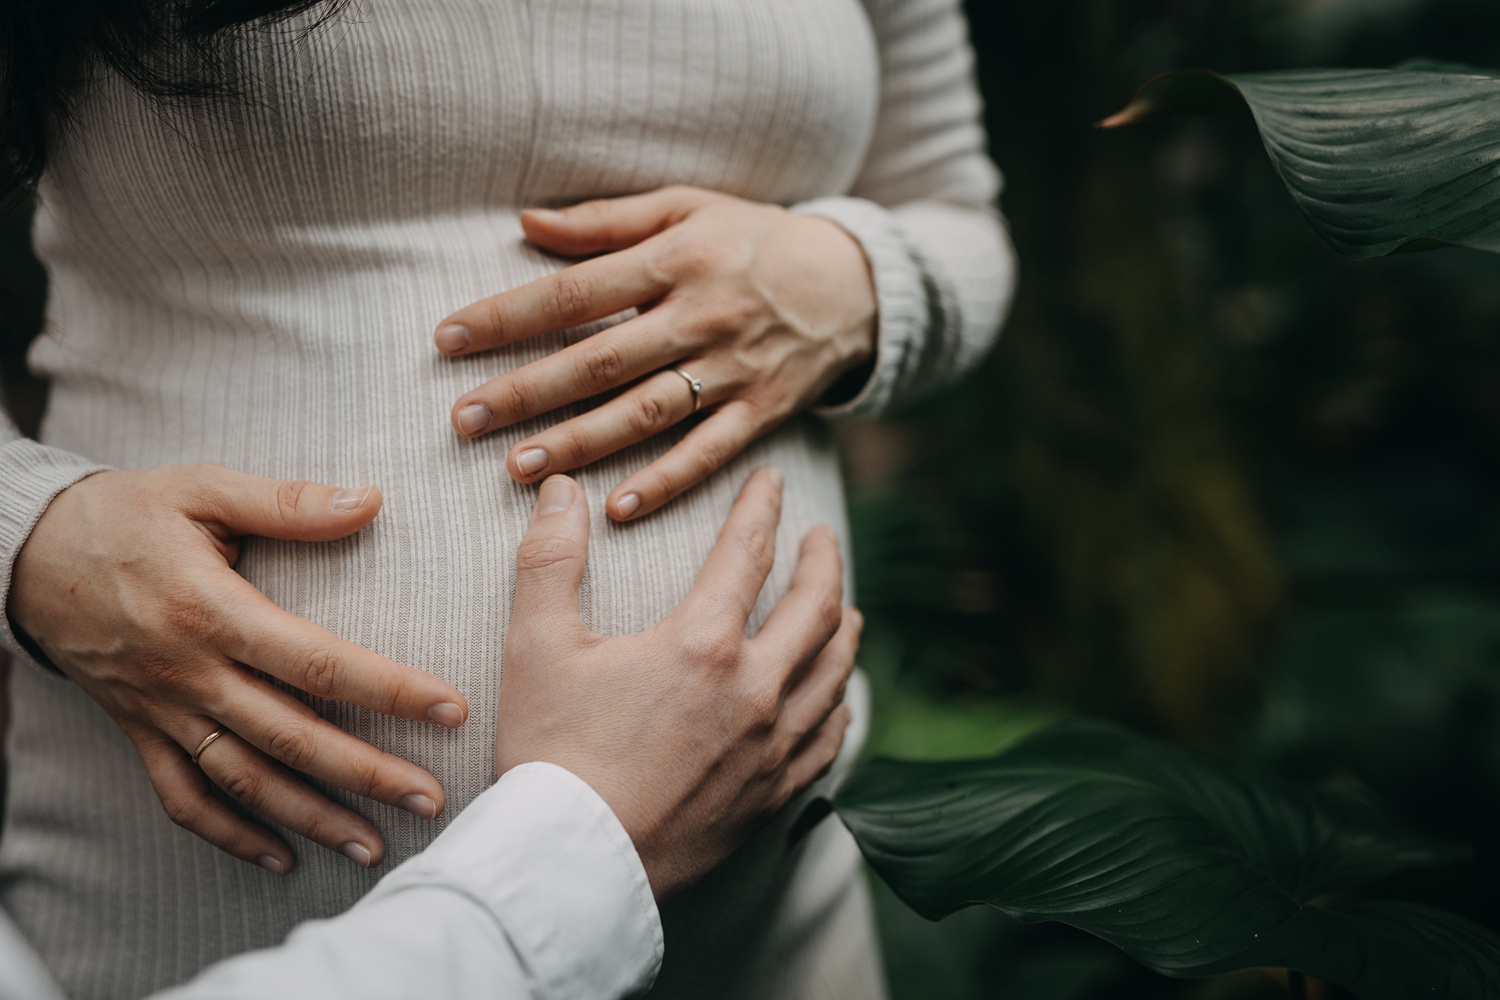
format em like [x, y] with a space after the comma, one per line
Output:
[169, 49]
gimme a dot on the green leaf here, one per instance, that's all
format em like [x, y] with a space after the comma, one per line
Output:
[1191, 866]
[1379, 161]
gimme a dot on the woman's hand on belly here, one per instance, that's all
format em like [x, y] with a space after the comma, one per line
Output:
[127, 583]
[746, 311]
[692, 733]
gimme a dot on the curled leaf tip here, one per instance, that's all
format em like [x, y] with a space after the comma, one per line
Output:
[1129, 116]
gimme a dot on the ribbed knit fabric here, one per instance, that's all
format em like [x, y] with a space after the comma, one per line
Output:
[255, 283]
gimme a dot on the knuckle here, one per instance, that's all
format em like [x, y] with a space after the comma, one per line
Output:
[730, 316]
[161, 667]
[713, 453]
[495, 322]
[188, 612]
[322, 828]
[199, 485]
[293, 745]
[512, 398]
[243, 784]
[394, 692]
[366, 777]
[781, 796]
[571, 294]
[538, 553]
[603, 366]
[763, 707]
[289, 496]
[718, 650]
[830, 613]
[650, 414]
[570, 443]
[322, 671]
[692, 253]
[183, 810]
[590, 214]
[758, 543]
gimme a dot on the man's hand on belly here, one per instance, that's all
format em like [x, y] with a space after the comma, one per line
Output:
[127, 584]
[691, 732]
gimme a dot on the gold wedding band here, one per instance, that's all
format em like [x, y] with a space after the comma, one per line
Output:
[207, 740]
[694, 384]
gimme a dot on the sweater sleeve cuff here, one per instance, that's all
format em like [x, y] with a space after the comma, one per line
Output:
[554, 867]
[33, 474]
[902, 299]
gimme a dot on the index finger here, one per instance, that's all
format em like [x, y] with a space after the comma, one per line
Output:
[313, 659]
[737, 567]
[583, 293]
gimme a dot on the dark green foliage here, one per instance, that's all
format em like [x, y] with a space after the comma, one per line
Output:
[1378, 160]
[1191, 866]
[1213, 466]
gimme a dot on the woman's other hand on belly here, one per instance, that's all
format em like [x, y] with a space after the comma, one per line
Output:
[747, 313]
[691, 732]
[127, 584]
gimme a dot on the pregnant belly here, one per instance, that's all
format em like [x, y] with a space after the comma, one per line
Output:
[430, 583]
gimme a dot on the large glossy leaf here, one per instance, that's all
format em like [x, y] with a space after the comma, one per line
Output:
[1378, 160]
[1192, 866]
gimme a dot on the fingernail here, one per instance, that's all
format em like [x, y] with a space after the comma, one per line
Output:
[351, 499]
[775, 476]
[452, 338]
[358, 853]
[421, 805]
[855, 618]
[547, 215]
[556, 495]
[532, 460]
[474, 418]
[628, 504]
[445, 713]
[271, 864]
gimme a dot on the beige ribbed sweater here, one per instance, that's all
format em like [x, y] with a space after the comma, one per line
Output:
[256, 284]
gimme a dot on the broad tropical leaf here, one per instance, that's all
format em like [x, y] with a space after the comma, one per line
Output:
[1191, 866]
[1378, 160]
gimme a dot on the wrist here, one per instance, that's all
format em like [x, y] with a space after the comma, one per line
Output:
[854, 334]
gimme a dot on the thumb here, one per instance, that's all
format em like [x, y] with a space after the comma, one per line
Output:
[282, 508]
[610, 223]
[551, 558]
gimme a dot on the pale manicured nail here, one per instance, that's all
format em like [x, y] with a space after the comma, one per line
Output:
[474, 418]
[351, 499]
[419, 804]
[628, 504]
[547, 215]
[445, 713]
[271, 864]
[532, 460]
[775, 476]
[452, 338]
[556, 495]
[358, 853]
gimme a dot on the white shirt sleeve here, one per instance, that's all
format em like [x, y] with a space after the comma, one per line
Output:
[533, 891]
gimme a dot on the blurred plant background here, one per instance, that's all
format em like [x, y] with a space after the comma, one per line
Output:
[1217, 483]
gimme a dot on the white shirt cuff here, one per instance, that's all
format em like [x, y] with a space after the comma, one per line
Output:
[545, 856]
